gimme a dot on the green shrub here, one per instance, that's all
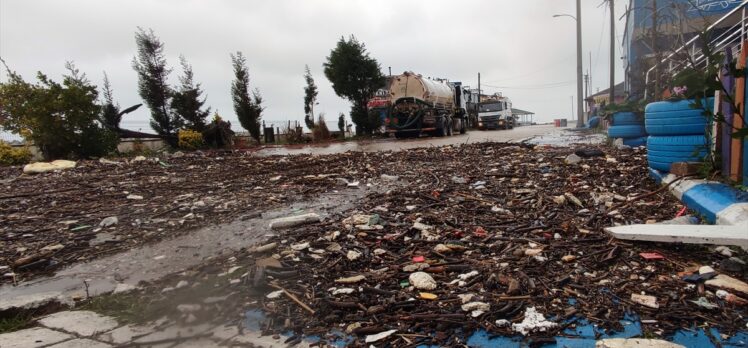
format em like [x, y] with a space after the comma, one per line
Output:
[190, 140]
[13, 156]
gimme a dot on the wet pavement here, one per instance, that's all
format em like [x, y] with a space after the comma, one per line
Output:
[152, 262]
[473, 136]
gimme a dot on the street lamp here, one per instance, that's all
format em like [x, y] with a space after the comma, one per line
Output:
[580, 97]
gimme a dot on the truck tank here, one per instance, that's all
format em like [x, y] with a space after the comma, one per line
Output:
[411, 85]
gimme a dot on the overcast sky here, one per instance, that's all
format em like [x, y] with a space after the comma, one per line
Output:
[517, 46]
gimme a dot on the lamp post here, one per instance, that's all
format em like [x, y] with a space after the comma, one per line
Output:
[580, 97]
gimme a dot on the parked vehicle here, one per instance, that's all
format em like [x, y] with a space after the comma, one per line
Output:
[421, 105]
[495, 113]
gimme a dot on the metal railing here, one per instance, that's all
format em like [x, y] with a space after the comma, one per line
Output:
[734, 27]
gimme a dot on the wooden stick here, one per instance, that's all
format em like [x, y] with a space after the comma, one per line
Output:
[294, 298]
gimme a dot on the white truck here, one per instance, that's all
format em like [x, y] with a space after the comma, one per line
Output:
[495, 112]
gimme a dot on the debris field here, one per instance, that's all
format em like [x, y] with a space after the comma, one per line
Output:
[506, 238]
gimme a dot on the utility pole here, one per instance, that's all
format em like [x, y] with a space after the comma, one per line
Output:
[580, 116]
[612, 93]
[586, 90]
[572, 108]
[654, 50]
[478, 102]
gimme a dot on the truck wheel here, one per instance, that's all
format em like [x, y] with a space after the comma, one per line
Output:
[450, 126]
[441, 129]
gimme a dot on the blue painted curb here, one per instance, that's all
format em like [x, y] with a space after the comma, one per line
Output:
[718, 203]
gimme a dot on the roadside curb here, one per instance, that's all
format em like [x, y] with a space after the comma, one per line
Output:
[718, 203]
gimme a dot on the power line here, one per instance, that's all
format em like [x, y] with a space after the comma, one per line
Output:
[539, 86]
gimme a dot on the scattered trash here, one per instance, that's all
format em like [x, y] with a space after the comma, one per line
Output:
[533, 321]
[44, 167]
[645, 300]
[652, 256]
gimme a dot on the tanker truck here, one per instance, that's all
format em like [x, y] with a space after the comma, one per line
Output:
[421, 105]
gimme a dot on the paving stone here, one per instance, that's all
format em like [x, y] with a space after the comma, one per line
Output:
[82, 323]
[81, 343]
[31, 338]
[124, 334]
[174, 332]
[31, 301]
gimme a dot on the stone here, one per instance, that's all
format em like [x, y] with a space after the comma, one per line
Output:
[422, 281]
[81, 343]
[135, 197]
[706, 270]
[81, 323]
[635, 343]
[181, 284]
[733, 264]
[572, 159]
[296, 220]
[109, 221]
[353, 255]
[43, 167]
[31, 338]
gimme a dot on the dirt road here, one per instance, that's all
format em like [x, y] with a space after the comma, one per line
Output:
[474, 136]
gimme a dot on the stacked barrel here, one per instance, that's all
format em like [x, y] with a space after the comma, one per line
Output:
[677, 132]
[630, 127]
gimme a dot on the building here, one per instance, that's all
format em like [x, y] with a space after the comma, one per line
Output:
[675, 22]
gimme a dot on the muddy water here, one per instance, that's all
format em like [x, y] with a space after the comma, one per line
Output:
[474, 136]
[154, 261]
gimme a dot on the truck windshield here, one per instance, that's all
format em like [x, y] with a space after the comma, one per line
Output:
[490, 107]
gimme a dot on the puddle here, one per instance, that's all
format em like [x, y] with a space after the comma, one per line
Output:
[567, 138]
[473, 136]
[151, 262]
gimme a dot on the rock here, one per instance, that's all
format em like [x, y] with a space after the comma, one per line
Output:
[635, 343]
[353, 255]
[138, 159]
[645, 300]
[706, 269]
[177, 154]
[726, 251]
[300, 246]
[350, 280]
[379, 252]
[293, 221]
[422, 281]
[109, 221]
[422, 227]
[723, 281]
[533, 321]
[533, 252]
[43, 167]
[135, 197]
[182, 284]
[733, 264]
[572, 159]
[427, 296]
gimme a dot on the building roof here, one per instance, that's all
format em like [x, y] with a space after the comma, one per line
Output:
[618, 91]
[521, 112]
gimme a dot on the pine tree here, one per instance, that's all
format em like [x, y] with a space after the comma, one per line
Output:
[354, 76]
[110, 112]
[186, 101]
[153, 87]
[310, 98]
[248, 108]
[341, 123]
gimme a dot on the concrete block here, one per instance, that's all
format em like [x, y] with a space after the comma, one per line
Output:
[635, 343]
[82, 323]
[81, 343]
[33, 337]
[31, 301]
[736, 214]
[124, 334]
[688, 234]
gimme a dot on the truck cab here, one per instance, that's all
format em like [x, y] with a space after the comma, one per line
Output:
[495, 114]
